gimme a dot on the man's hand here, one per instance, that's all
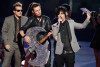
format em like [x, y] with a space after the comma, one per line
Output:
[59, 20]
[88, 15]
[27, 39]
[50, 33]
[7, 47]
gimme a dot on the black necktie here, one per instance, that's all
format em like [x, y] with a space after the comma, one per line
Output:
[17, 30]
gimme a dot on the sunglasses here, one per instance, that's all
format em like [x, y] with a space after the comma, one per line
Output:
[19, 10]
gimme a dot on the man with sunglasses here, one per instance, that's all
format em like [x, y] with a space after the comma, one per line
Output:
[11, 36]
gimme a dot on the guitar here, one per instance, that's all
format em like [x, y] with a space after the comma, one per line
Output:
[46, 37]
[40, 46]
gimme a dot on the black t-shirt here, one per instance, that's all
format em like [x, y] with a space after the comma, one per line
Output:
[65, 35]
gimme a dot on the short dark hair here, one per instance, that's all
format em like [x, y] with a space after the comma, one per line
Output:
[29, 10]
[35, 5]
[67, 6]
[17, 4]
[61, 9]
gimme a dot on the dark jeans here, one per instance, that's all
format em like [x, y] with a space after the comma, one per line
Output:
[68, 59]
[54, 53]
[49, 60]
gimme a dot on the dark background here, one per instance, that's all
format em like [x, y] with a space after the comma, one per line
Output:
[48, 8]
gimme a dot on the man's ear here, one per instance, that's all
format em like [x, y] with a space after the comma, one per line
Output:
[66, 13]
[13, 11]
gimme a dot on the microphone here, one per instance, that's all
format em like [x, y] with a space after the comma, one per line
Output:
[59, 20]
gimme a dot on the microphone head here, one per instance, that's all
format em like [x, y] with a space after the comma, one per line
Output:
[60, 17]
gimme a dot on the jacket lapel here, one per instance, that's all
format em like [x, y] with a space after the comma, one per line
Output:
[13, 24]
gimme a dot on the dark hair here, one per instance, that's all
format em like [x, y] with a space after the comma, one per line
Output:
[35, 5]
[29, 10]
[17, 4]
[61, 9]
[67, 6]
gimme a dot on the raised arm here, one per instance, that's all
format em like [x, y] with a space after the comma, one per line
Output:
[84, 24]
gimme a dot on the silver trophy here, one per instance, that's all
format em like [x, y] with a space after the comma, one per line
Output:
[85, 10]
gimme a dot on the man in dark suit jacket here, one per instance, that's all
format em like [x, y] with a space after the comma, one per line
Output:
[11, 36]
